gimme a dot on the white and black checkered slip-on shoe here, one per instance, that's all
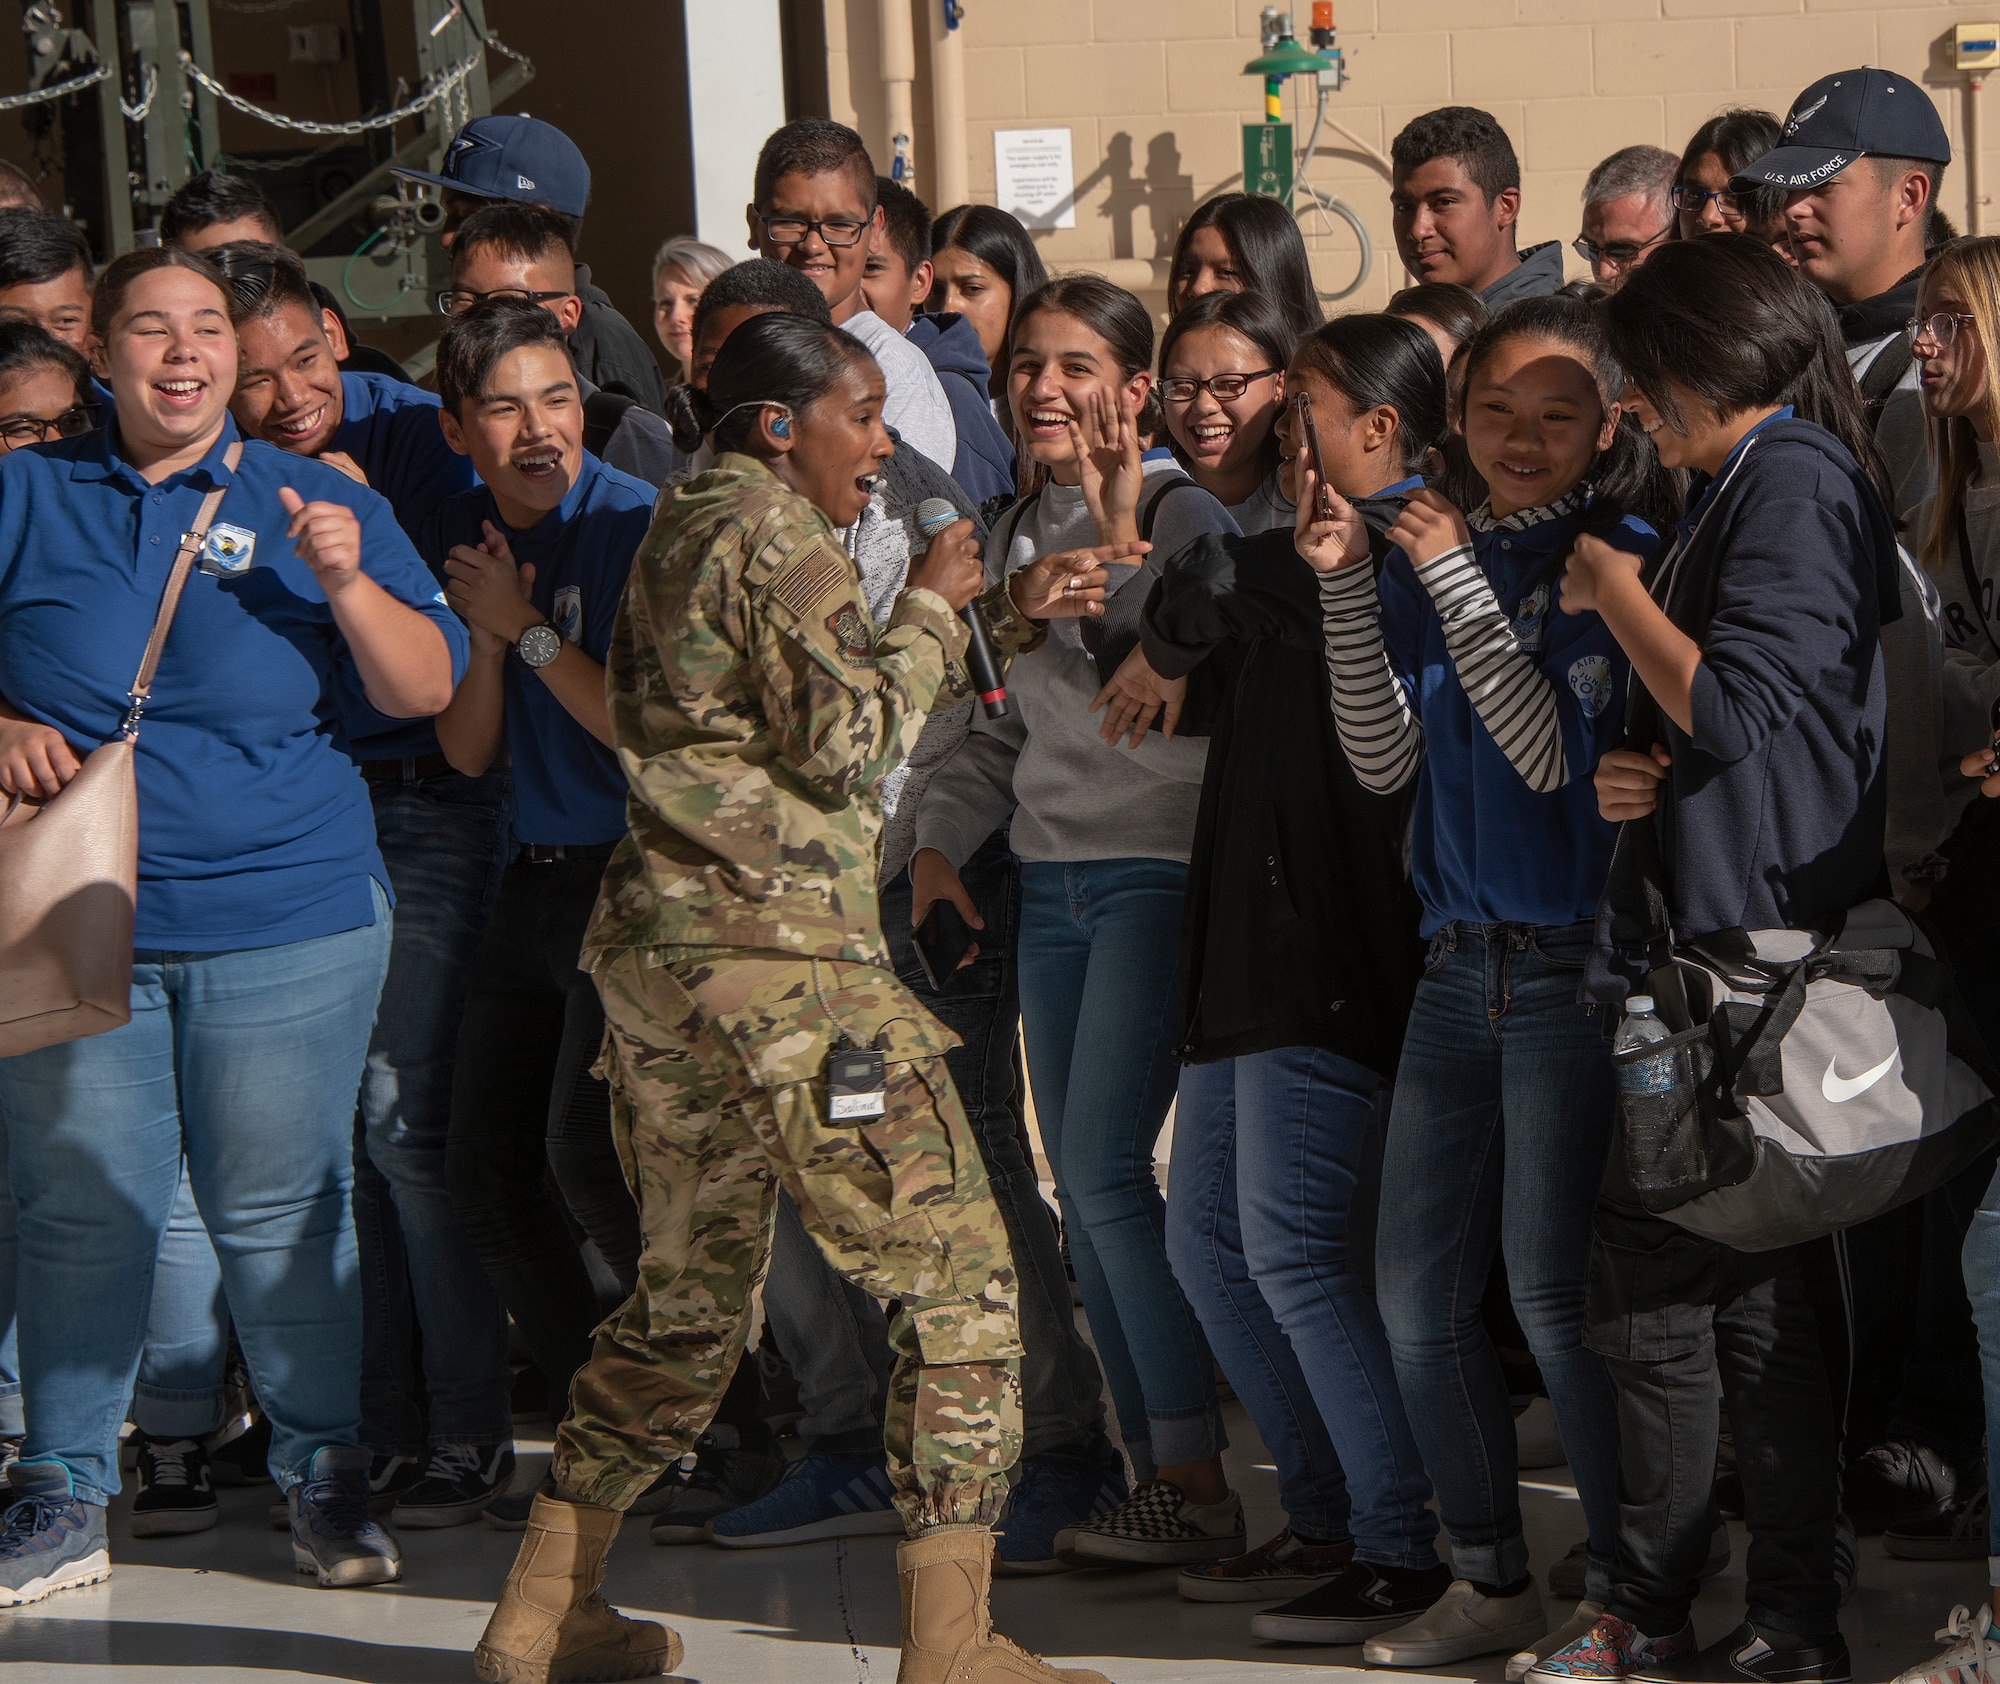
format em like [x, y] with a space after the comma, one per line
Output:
[1157, 1527]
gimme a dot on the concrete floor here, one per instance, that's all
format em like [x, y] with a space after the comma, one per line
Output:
[224, 1607]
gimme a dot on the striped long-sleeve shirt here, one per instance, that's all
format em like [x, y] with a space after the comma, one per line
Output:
[1465, 675]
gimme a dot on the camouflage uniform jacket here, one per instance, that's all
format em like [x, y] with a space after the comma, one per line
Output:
[755, 712]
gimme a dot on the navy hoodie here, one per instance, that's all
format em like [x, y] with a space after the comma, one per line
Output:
[984, 465]
[1772, 814]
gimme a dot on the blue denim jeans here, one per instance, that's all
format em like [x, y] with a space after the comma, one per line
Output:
[11, 1419]
[247, 1062]
[442, 840]
[841, 1375]
[179, 1390]
[1982, 1286]
[1498, 1134]
[1270, 1180]
[1100, 1013]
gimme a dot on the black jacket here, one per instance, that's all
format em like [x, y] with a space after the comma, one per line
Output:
[1773, 811]
[1300, 925]
[609, 351]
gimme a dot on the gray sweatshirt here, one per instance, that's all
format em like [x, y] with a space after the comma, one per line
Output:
[1074, 796]
[1971, 676]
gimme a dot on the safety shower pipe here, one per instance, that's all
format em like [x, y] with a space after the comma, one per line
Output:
[953, 185]
[1975, 193]
[899, 76]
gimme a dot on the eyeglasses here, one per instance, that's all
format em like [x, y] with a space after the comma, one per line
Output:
[1693, 199]
[1940, 329]
[838, 231]
[1184, 389]
[18, 430]
[1617, 252]
[455, 301]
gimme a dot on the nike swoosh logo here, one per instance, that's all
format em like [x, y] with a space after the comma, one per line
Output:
[1840, 1089]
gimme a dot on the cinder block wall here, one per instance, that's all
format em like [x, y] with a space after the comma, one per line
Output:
[1154, 96]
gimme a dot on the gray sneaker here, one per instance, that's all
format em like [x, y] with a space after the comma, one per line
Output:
[334, 1536]
[50, 1538]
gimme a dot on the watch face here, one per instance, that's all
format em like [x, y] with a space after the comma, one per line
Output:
[539, 645]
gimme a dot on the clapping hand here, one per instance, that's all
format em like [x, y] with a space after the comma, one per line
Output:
[488, 592]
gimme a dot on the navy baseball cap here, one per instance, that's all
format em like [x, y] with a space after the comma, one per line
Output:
[1846, 116]
[519, 158]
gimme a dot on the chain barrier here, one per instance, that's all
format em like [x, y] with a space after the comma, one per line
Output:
[137, 113]
[58, 90]
[441, 89]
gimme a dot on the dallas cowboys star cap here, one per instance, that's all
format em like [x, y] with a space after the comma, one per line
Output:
[1849, 115]
[518, 158]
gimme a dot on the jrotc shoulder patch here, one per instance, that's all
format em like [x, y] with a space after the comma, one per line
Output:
[850, 631]
[803, 585]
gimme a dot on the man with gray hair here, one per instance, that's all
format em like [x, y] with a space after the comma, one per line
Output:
[1628, 212]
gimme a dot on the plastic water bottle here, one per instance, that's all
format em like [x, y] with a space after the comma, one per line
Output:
[1653, 1093]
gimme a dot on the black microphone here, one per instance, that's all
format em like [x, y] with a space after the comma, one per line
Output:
[934, 514]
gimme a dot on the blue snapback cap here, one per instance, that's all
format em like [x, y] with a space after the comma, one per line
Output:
[1849, 115]
[518, 158]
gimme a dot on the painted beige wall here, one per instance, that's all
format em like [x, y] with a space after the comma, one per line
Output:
[1153, 94]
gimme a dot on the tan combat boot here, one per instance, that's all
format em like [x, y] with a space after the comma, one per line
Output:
[948, 1635]
[551, 1625]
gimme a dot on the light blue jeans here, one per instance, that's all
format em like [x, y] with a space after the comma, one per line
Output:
[248, 1063]
[1100, 1014]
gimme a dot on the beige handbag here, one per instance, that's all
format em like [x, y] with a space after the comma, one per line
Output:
[69, 867]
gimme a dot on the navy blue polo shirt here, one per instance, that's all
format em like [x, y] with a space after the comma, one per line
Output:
[254, 828]
[1485, 848]
[391, 430]
[567, 786]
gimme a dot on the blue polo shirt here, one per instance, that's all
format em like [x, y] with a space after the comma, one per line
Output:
[254, 828]
[1484, 847]
[391, 430]
[567, 787]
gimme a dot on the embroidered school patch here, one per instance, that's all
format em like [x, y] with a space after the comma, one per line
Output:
[803, 585]
[850, 631]
[228, 550]
[1590, 678]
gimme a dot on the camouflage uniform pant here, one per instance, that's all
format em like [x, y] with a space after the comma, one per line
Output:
[717, 1073]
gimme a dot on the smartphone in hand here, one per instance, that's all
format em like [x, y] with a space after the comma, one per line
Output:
[941, 941]
[1308, 437]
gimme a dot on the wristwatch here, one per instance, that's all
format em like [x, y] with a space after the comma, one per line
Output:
[538, 645]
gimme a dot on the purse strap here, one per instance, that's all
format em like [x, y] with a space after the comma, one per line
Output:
[170, 599]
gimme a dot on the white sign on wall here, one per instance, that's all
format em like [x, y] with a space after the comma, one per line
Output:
[1034, 177]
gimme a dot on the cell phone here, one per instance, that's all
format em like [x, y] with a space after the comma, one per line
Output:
[1302, 425]
[941, 941]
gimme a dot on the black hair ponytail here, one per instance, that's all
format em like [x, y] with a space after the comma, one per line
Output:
[775, 358]
[1377, 361]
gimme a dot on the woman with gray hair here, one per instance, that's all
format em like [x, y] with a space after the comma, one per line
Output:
[681, 268]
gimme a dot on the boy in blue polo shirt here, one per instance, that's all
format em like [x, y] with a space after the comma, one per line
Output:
[535, 561]
[441, 836]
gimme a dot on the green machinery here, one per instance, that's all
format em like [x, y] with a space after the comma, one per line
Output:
[125, 93]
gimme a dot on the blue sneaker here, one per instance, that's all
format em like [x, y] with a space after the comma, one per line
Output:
[1047, 1497]
[50, 1538]
[335, 1537]
[821, 1496]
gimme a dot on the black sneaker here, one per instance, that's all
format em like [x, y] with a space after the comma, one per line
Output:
[1899, 1483]
[244, 1459]
[1750, 1656]
[175, 1495]
[1959, 1534]
[459, 1481]
[716, 1476]
[334, 1537]
[390, 1475]
[509, 1513]
[1359, 1603]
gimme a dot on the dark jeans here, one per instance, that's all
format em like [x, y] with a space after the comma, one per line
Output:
[1498, 1132]
[442, 840]
[525, 1106]
[1671, 1313]
[1062, 1386]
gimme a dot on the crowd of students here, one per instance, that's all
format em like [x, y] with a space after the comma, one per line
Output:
[1340, 650]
